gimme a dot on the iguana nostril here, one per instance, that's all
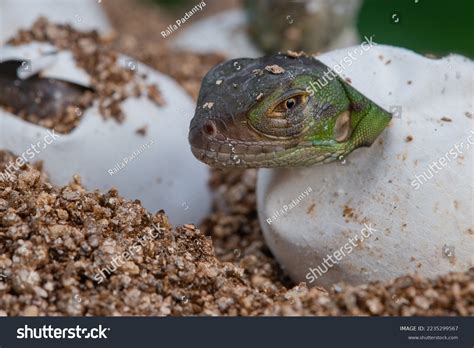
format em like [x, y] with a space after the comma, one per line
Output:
[209, 128]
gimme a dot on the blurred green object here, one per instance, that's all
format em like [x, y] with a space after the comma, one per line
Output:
[175, 3]
[308, 25]
[426, 26]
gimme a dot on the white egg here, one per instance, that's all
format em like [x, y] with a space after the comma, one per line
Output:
[157, 168]
[408, 198]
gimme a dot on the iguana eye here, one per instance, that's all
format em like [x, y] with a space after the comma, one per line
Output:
[290, 103]
[287, 105]
[286, 117]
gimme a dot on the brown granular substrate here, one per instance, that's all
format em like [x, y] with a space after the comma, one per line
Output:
[111, 83]
[54, 241]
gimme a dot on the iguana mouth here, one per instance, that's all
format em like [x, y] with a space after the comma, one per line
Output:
[230, 159]
[219, 151]
[280, 157]
[215, 149]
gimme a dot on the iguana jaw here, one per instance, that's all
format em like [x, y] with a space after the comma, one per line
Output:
[284, 158]
[247, 150]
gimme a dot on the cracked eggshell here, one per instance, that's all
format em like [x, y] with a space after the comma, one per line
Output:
[163, 173]
[428, 229]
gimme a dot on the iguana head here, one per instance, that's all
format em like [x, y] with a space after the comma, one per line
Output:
[270, 112]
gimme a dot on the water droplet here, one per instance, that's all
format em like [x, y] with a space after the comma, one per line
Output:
[396, 111]
[25, 65]
[78, 18]
[289, 19]
[132, 64]
[235, 158]
[448, 251]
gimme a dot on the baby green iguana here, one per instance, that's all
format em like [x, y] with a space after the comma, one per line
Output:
[265, 112]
